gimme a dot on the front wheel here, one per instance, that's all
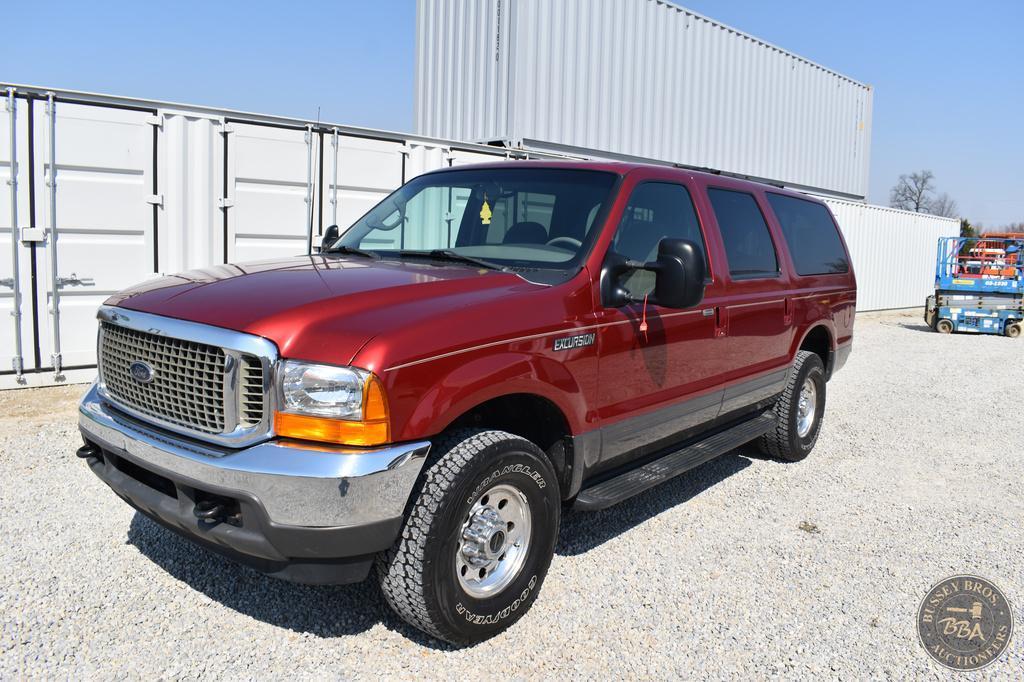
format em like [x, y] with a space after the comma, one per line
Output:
[1012, 330]
[799, 410]
[478, 539]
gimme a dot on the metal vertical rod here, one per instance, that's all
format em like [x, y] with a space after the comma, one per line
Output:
[51, 110]
[334, 180]
[309, 189]
[16, 362]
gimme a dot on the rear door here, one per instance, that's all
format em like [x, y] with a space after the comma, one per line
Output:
[753, 318]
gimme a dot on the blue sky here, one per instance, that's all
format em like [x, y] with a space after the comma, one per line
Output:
[948, 77]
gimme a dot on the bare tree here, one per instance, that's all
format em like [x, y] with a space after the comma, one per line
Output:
[913, 192]
[944, 206]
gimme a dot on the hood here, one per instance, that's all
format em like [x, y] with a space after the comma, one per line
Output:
[321, 308]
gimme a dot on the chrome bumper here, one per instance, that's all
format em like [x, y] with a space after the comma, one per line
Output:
[313, 486]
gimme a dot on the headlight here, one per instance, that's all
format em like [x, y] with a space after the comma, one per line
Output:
[322, 390]
[332, 404]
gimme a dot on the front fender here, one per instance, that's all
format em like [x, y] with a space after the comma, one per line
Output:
[451, 387]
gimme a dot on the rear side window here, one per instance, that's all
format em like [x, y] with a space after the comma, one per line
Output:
[748, 244]
[811, 236]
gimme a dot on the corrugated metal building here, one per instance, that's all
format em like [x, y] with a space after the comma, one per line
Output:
[638, 78]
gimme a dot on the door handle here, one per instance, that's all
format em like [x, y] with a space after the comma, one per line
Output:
[7, 282]
[75, 280]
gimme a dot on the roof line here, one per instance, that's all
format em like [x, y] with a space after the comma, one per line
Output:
[236, 114]
[761, 41]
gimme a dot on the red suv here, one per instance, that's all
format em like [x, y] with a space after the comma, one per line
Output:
[486, 347]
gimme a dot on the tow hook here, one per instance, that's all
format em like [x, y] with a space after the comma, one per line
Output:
[87, 451]
[208, 510]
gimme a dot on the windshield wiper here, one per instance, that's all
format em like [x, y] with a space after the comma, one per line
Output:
[453, 256]
[352, 251]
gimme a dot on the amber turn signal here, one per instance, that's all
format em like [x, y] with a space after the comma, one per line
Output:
[372, 429]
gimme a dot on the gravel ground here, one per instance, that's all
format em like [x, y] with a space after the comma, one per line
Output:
[744, 567]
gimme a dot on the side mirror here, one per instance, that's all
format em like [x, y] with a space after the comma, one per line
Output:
[330, 236]
[679, 274]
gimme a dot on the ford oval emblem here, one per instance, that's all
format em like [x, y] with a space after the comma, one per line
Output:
[142, 372]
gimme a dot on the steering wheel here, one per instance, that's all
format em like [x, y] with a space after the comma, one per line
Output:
[574, 243]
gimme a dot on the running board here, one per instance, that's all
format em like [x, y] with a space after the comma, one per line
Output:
[635, 481]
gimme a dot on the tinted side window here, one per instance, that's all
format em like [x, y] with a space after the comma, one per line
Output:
[656, 210]
[811, 236]
[748, 244]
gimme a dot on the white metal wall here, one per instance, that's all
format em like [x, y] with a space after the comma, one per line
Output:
[641, 78]
[144, 188]
[893, 252]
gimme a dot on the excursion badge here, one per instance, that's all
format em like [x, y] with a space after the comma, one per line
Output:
[577, 341]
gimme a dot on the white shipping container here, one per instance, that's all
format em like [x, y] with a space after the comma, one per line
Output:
[145, 187]
[638, 78]
[893, 252]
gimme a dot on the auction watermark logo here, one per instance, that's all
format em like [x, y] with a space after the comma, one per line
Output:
[965, 622]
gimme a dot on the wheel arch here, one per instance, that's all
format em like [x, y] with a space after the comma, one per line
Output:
[528, 396]
[820, 340]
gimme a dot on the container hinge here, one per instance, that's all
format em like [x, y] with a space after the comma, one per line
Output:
[226, 129]
[224, 202]
[156, 120]
[155, 199]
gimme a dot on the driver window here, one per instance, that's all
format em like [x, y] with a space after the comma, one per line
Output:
[656, 210]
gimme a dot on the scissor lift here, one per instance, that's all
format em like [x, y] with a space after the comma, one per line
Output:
[979, 286]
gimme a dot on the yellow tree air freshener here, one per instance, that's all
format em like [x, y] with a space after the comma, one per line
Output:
[485, 214]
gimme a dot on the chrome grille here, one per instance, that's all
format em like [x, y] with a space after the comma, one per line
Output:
[187, 388]
[250, 392]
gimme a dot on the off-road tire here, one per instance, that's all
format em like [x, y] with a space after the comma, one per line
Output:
[784, 442]
[417, 575]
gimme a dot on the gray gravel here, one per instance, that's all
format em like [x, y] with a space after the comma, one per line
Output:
[743, 567]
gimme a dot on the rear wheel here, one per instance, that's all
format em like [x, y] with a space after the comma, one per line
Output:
[800, 409]
[944, 326]
[478, 539]
[1012, 330]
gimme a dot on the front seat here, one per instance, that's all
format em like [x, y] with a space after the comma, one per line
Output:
[526, 232]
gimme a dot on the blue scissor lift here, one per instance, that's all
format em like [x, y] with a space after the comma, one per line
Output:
[979, 286]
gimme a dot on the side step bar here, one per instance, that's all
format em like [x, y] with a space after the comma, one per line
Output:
[635, 481]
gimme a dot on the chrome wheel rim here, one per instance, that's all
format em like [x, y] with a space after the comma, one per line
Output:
[494, 541]
[807, 406]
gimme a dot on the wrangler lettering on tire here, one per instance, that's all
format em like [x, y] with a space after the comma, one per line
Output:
[800, 409]
[478, 538]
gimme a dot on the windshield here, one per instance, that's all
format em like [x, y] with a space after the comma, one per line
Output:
[509, 217]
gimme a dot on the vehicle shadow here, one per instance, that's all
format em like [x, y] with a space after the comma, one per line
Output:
[342, 610]
[324, 611]
[916, 327]
[583, 531]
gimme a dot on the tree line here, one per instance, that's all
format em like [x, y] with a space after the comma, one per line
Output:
[917, 192]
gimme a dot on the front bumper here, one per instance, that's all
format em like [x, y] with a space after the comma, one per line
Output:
[304, 512]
